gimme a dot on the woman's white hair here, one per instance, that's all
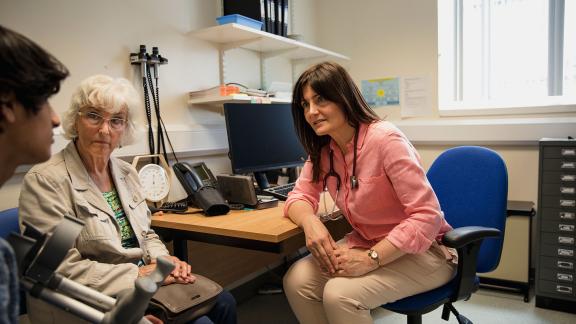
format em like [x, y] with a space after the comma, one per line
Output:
[109, 94]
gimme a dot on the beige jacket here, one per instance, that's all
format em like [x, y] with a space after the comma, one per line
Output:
[61, 186]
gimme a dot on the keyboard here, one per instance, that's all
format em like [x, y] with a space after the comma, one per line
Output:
[280, 192]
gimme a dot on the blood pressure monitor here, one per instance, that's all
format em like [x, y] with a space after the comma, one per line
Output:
[154, 178]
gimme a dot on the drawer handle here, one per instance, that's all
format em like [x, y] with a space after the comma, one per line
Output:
[565, 264]
[568, 152]
[567, 203]
[566, 252]
[567, 215]
[567, 177]
[568, 165]
[567, 190]
[564, 289]
[565, 228]
[564, 277]
[565, 240]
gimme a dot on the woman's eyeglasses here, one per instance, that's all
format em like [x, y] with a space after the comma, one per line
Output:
[95, 119]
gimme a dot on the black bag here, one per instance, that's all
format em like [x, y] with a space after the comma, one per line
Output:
[182, 303]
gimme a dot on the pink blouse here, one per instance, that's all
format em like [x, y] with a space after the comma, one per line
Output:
[394, 199]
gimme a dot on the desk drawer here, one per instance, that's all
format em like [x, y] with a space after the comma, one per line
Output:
[559, 151]
[556, 288]
[559, 164]
[557, 251]
[564, 265]
[562, 190]
[557, 275]
[568, 203]
[565, 227]
[558, 214]
[558, 238]
[559, 177]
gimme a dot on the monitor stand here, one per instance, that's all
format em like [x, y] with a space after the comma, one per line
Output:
[261, 180]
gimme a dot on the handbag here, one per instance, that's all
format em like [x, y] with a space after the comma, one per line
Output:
[182, 303]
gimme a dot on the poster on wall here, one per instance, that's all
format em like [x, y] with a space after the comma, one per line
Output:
[381, 92]
[416, 97]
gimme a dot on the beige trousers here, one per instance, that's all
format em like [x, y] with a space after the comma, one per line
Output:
[318, 298]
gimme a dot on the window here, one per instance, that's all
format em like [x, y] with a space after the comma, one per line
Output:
[506, 56]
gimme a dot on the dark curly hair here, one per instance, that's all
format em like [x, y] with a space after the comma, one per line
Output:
[331, 81]
[27, 71]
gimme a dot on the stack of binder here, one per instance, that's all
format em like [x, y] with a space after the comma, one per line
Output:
[272, 13]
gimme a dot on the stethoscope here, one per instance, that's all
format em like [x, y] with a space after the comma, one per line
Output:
[331, 173]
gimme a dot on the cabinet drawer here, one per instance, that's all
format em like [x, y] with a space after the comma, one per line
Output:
[558, 238]
[559, 151]
[562, 227]
[557, 275]
[558, 214]
[564, 265]
[559, 164]
[559, 177]
[568, 190]
[559, 202]
[562, 289]
[565, 252]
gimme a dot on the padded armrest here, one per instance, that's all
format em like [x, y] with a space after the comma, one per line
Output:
[462, 236]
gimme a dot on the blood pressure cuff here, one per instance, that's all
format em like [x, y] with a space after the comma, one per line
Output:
[210, 201]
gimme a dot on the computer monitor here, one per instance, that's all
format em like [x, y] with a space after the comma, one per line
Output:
[261, 137]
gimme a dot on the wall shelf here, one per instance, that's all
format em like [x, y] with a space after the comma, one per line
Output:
[230, 36]
[219, 100]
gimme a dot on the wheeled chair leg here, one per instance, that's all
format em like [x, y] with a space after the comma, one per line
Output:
[414, 319]
[448, 307]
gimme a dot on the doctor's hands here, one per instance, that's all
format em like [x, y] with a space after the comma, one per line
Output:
[353, 262]
[321, 244]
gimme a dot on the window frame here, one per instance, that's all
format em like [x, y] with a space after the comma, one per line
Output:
[451, 72]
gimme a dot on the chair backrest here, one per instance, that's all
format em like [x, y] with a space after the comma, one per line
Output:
[471, 183]
[8, 222]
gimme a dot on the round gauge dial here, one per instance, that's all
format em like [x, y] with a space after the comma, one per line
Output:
[154, 180]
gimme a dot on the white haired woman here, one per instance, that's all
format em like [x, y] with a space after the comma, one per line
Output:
[116, 245]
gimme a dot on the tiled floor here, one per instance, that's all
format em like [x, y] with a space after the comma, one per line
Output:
[486, 306]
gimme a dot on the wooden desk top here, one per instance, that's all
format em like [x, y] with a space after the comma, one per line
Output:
[267, 225]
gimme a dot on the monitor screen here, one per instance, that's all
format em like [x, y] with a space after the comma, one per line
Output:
[262, 137]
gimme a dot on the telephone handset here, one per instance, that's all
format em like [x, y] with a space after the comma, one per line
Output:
[195, 176]
[200, 185]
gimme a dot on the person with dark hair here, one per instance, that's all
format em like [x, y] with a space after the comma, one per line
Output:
[28, 77]
[374, 175]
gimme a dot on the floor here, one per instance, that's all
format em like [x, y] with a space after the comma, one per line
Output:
[486, 306]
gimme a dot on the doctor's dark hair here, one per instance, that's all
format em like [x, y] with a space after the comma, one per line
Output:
[27, 71]
[331, 81]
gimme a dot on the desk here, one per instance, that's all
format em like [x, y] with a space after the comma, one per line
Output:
[264, 230]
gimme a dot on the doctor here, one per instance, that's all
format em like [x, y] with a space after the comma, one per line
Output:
[374, 175]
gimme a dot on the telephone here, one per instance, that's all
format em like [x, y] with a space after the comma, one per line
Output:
[201, 187]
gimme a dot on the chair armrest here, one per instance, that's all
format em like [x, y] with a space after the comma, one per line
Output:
[467, 240]
[462, 236]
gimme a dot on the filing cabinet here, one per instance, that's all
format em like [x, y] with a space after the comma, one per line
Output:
[556, 225]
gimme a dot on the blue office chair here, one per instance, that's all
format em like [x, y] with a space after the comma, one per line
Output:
[471, 183]
[9, 224]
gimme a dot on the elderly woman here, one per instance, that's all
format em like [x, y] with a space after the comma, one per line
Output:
[117, 244]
